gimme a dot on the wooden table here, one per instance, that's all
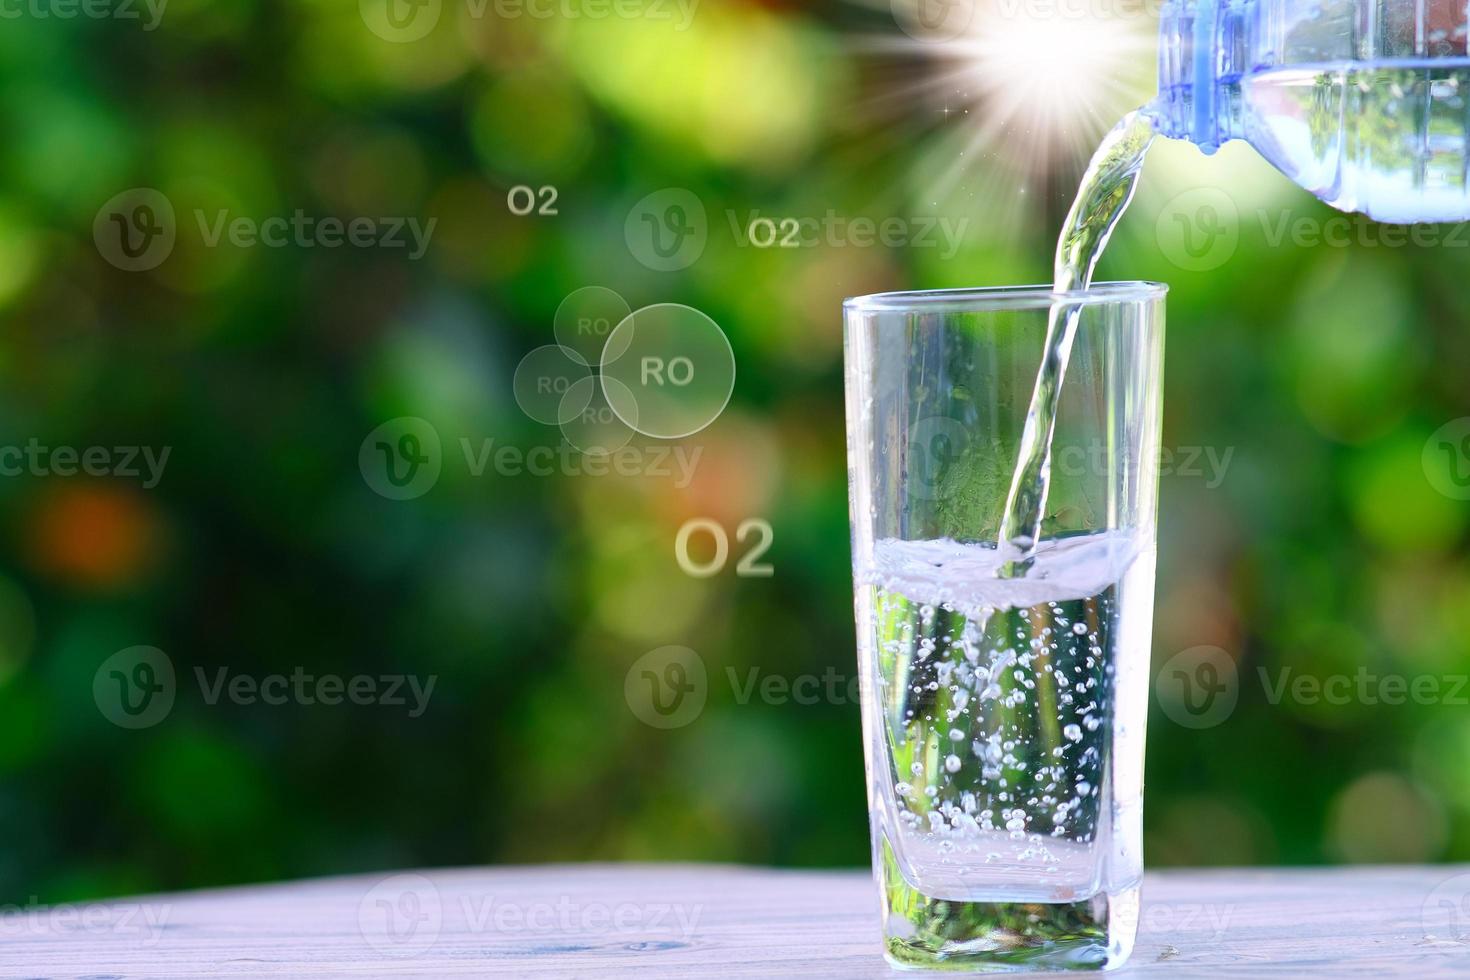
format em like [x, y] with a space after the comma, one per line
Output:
[652, 921]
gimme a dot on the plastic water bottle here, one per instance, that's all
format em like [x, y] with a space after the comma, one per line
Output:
[1365, 103]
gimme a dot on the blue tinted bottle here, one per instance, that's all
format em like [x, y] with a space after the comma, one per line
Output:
[1365, 103]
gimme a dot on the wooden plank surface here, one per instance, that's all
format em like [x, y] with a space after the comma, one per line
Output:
[655, 921]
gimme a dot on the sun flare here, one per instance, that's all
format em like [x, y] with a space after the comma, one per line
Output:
[1053, 73]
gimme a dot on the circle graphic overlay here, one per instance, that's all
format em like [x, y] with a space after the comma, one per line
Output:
[585, 319]
[668, 371]
[543, 381]
[593, 427]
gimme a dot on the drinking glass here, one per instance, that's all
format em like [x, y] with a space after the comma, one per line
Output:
[1003, 717]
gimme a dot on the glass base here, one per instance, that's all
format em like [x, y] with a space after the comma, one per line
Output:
[927, 933]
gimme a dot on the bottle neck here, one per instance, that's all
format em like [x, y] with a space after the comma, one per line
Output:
[1202, 45]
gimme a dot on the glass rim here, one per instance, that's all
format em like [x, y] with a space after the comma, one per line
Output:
[995, 298]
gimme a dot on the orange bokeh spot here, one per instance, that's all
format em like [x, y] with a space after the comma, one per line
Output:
[94, 537]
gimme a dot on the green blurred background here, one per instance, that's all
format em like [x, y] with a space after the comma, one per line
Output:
[1323, 370]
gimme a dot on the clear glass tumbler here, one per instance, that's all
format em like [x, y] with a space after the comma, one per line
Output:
[1003, 717]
